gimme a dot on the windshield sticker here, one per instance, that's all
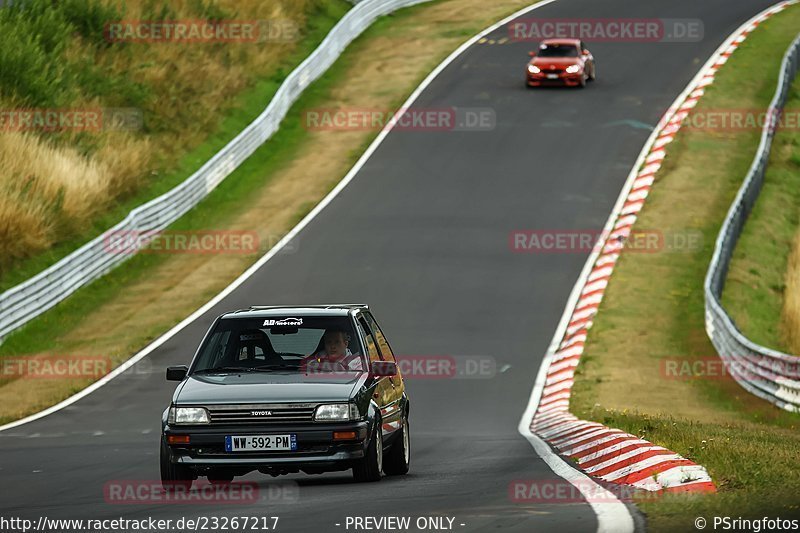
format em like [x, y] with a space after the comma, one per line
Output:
[284, 322]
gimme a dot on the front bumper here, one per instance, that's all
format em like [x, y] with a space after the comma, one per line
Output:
[541, 79]
[316, 451]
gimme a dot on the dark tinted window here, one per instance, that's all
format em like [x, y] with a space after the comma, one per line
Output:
[383, 344]
[284, 342]
[558, 50]
[372, 346]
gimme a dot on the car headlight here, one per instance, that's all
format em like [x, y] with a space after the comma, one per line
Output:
[188, 415]
[573, 69]
[336, 412]
[533, 69]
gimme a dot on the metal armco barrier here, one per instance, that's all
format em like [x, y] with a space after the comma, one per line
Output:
[767, 373]
[29, 299]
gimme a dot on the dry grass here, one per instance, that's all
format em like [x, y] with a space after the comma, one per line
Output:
[791, 300]
[653, 314]
[49, 191]
[54, 184]
[762, 287]
[409, 46]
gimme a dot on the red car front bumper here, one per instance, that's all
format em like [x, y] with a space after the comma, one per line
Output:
[541, 79]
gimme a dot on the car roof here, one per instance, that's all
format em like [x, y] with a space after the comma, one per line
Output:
[259, 311]
[574, 42]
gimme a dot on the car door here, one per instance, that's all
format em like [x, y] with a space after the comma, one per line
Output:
[394, 415]
[384, 394]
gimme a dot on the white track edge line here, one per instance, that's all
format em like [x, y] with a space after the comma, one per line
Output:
[281, 243]
[610, 516]
[285, 240]
[543, 449]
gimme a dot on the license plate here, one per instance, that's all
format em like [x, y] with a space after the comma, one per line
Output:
[552, 76]
[251, 443]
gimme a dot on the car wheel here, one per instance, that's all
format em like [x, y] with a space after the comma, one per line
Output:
[174, 476]
[583, 81]
[369, 468]
[594, 73]
[398, 459]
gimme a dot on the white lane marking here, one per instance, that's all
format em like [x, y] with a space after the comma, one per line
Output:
[614, 512]
[614, 449]
[626, 470]
[280, 245]
[548, 431]
[596, 444]
[612, 515]
[586, 438]
[623, 457]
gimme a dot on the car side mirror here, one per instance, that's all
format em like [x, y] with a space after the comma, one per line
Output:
[177, 373]
[381, 369]
[586, 52]
[531, 54]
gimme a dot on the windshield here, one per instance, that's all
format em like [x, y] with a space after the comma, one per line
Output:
[558, 50]
[297, 344]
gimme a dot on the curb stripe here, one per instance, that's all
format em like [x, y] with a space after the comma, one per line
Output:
[611, 454]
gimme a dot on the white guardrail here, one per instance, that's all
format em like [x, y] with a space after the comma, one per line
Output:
[29, 299]
[767, 373]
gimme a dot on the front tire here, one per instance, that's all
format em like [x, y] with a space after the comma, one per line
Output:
[398, 459]
[369, 468]
[174, 477]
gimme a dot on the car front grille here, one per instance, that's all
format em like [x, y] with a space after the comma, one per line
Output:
[552, 70]
[261, 414]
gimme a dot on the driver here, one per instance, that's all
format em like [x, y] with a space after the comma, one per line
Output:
[336, 352]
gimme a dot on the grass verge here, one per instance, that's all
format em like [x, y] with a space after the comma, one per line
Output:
[172, 147]
[653, 314]
[760, 293]
[286, 177]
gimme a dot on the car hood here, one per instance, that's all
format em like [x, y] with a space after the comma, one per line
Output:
[260, 387]
[559, 62]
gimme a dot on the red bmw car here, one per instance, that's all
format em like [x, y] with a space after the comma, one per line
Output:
[560, 62]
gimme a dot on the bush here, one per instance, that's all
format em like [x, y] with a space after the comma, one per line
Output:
[35, 69]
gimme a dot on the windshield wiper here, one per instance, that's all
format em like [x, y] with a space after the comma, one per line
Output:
[221, 369]
[270, 368]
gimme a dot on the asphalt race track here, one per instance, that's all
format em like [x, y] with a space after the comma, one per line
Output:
[422, 235]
